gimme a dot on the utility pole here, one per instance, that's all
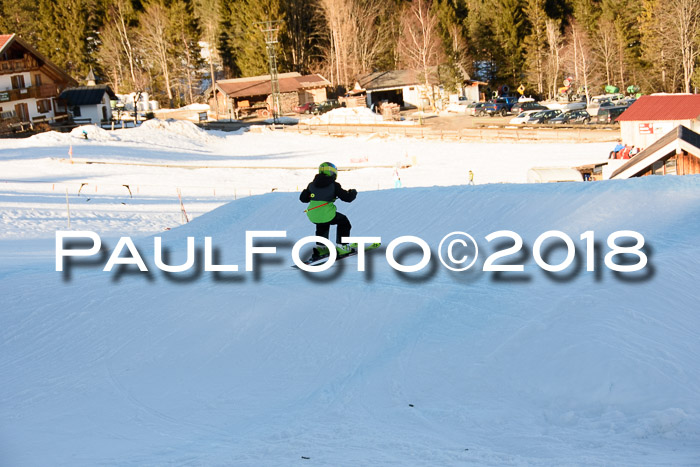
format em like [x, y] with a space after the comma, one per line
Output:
[270, 29]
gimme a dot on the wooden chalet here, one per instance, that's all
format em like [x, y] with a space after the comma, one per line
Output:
[29, 83]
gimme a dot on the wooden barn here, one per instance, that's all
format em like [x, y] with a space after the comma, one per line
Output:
[244, 96]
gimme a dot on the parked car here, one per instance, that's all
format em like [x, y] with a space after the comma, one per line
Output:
[543, 116]
[595, 107]
[572, 116]
[522, 117]
[325, 106]
[529, 105]
[305, 108]
[500, 105]
[476, 109]
[610, 114]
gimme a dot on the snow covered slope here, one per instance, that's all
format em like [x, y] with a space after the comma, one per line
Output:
[374, 368]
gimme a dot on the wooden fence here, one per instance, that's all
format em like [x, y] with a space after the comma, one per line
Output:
[490, 133]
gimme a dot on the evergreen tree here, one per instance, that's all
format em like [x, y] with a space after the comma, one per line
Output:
[536, 44]
[68, 28]
[184, 35]
[481, 41]
[19, 17]
[242, 41]
[509, 27]
[301, 42]
[452, 15]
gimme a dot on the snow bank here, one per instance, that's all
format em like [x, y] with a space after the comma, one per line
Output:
[283, 120]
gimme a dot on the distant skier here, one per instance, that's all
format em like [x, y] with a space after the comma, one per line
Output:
[471, 177]
[321, 195]
[397, 178]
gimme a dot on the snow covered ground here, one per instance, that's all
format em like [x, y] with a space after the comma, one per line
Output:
[281, 367]
[130, 177]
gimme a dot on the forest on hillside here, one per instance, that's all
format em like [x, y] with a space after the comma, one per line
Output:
[156, 45]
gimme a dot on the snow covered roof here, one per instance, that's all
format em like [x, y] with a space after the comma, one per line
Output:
[680, 138]
[260, 85]
[394, 79]
[663, 107]
[87, 95]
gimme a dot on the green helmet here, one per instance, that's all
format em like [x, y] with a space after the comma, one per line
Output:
[328, 169]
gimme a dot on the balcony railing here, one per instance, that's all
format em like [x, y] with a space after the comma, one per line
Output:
[28, 63]
[44, 91]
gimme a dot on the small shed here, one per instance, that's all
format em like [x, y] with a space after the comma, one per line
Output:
[407, 88]
[676, 153]
[651, 117]
[89, 103]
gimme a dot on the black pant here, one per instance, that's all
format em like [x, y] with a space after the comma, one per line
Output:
[322, 230]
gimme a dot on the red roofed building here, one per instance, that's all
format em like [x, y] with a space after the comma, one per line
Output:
[651, 117]
[29, 82]
[246, 95]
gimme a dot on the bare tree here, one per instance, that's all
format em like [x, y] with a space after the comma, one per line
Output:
[111, 56]
[153, 32]
[578, 55]
[369, 40]
[338, 18]
[605, 47]
[419, 43]
[554, 42]
[121, 13]
[684, 16]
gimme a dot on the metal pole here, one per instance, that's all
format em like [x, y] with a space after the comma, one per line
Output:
[270, 29]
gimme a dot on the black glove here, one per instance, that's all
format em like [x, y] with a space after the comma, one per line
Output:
[353, 192]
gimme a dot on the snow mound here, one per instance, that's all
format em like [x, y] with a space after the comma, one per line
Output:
[351, 116]
[50, 138]
[94, 133]
[180, 129]
[201, 107]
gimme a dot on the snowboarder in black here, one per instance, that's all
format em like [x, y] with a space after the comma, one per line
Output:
[321, 195]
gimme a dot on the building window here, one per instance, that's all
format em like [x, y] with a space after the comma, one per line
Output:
[76, 111]
[43, 106]
[670, 166]
[37, 80]
[17, 81]
[657, 168]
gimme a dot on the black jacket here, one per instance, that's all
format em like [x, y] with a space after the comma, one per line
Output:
[325, 188]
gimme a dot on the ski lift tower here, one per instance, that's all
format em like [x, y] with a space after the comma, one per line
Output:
[270, 29]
